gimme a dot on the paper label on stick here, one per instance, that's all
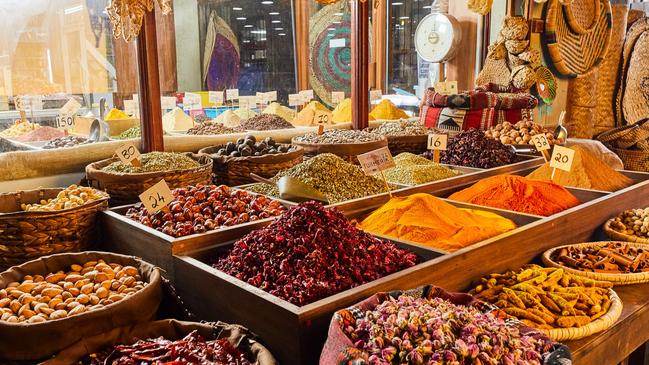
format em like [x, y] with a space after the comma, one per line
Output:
[231, 94]
[306, 95]
[131, 107]
[562, 158]
[294, 100]
[451, 87]
[65, 119]
[247, 102]
[376, 161]
[337, 43]
[128, 153]
[322, 117]
[437, 142]
[167, 102]
[271, 96]
[192, 101]
[215, 97]
[376, 95]
[337, 97]
[156, 197]
[540, 142]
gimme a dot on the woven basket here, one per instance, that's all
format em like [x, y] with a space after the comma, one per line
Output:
[636, 30]
[617, 279]
[26, 236]
[125, 188]
[580, 121]
[615, 235]
[635, 103]
[346, 151]
[629, 136]
[233, 171]
[600, 324]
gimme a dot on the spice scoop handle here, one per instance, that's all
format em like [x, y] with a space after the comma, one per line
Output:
[261, 179]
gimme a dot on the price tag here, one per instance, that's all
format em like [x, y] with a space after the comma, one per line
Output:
[441, 88]
[437, 142]
[168, 102]
[294, 100]
[65, 122]
[306, 95]
[376, 95]
[215, 97]
[29, 103]
[192, 101]
[562, 158]
[157, 197]
[247, 102]
[322, 117]
[231, 94]
[337, 97]
[376, 161]
[540, 142]
[71, 107]
[451, 87]
[128, 153]
[271, 96]
[131, 107]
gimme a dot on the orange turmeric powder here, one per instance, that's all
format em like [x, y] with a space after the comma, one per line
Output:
[430, 221]
[519, 194]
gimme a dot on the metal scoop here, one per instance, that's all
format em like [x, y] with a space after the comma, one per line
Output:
[293, 189]
[99, 130]
[560, 131]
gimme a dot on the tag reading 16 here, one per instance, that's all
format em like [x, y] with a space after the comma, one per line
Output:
[376, 161]
[156, 197]
[562, 158]
[128, 153]
[322, 117]
[437, 142]
[540, 142]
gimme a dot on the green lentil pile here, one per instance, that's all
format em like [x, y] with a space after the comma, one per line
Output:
[335, 136]
[155, 161]
[335, 178]
[130, 133]
[411, 169]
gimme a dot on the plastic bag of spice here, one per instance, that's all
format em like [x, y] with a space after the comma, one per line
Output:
[402, 316]
[95, 347]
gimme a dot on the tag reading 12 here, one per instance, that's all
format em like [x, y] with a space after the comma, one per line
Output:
[376, 161]
[128, 153]
[157, 197]
[562, 158]
[65, 119]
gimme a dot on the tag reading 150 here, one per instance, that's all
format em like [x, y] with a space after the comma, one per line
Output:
[157, 197]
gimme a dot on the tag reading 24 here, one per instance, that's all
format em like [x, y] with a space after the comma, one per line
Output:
[157, 197]
[376, 161]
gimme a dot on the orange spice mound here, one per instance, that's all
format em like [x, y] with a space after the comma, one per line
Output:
[519, 194]
[430, 221]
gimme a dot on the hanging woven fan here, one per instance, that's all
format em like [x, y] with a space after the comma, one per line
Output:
[221, 57]
[330, 62]
[546, 85]
[577, 34]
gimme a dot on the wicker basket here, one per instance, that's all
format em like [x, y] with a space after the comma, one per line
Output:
[233, 171]
[629, 136]
[25, 236]
[617, 279]
[600, 324]
[346, 151]
[615, 235]
[125, 188]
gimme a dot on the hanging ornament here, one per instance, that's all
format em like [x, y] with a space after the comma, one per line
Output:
[127, 15]
[546, 85]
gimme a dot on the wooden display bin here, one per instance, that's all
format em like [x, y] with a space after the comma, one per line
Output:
[294, 334]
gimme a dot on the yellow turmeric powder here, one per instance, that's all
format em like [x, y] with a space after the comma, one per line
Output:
[430, 221]
[306, 116]
[386, 110]
[343, 112]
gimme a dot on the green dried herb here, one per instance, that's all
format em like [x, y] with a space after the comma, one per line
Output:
[411, 169]
[153, 162]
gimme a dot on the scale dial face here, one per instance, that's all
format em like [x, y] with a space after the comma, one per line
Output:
[434, 38]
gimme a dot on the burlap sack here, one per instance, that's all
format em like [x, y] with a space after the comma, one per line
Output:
[20, 341]
[170, 329]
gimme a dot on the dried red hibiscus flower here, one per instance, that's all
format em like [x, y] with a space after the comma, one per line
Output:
[310, 253]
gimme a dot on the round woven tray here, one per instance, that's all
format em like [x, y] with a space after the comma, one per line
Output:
[26, 236]
[600, 324]
[125, 188]
[346, 151]
[613, 234]
[233, 171]
[617, 279]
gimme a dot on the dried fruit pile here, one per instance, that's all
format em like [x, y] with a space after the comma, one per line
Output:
[249, 146]
[520, 133]
[193, 349]
[310, 253]
[201, 208]
[605, 257]
[210, 129]
[473, 149]
[69, 141]
[71, 197]
[633, 222]
[546, 298]
[411, 330]
[83, 288]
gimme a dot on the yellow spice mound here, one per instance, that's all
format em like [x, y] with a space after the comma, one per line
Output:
[430, 221]
[306, 116]
[343, 112]
[115, 114]
[386, 110]
[280, 110]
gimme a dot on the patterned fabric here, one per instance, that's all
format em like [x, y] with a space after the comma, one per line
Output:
[485, 97]
[457, 120]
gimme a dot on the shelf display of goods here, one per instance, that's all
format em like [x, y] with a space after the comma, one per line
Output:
[520, 133]
[307, 116]
[429, 325]
[445, 226]
[280, 110]
[36, 223]
[330, 175]
[413, 170]
[19, 128]
[631, 226]
[472, 148]
[558, 303]
[587, 172]
[203, 208]
[310, 253]
[404, 136]
[621, 263]
[125, 182]
[519, 194]
[210, 129]
[234, 161]
[168, 341]
[347, 144]
[264, 122]
[119, 122]
[72, 295]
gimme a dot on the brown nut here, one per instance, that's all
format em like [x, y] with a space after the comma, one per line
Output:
[60, 306]
[51, 292]
[4, 302]
[15, 293]
[26, 287]
[26, 298]
[102, 293]
[55, 278]
[115, 284]
[105, 284]
[129, 281]
[73, 304]
[58, 314]
[73, 278]
[87, 270]
[40, 306]
[100, 277]
[102, 266]
[116, 297]
[52, 303]
[66, 295]
[13, 284]
[38, 278]
[39, 288]
[81, 283]
[76, 267]
[90, 264]
[5, 315]
[15, 306]
[77, 310]
[3, 293]
[67, 285]
[37, 319]
[122, 288]
[83, 298]
[94, 299]
[74, 291]
[87, 289]
[130, 270]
